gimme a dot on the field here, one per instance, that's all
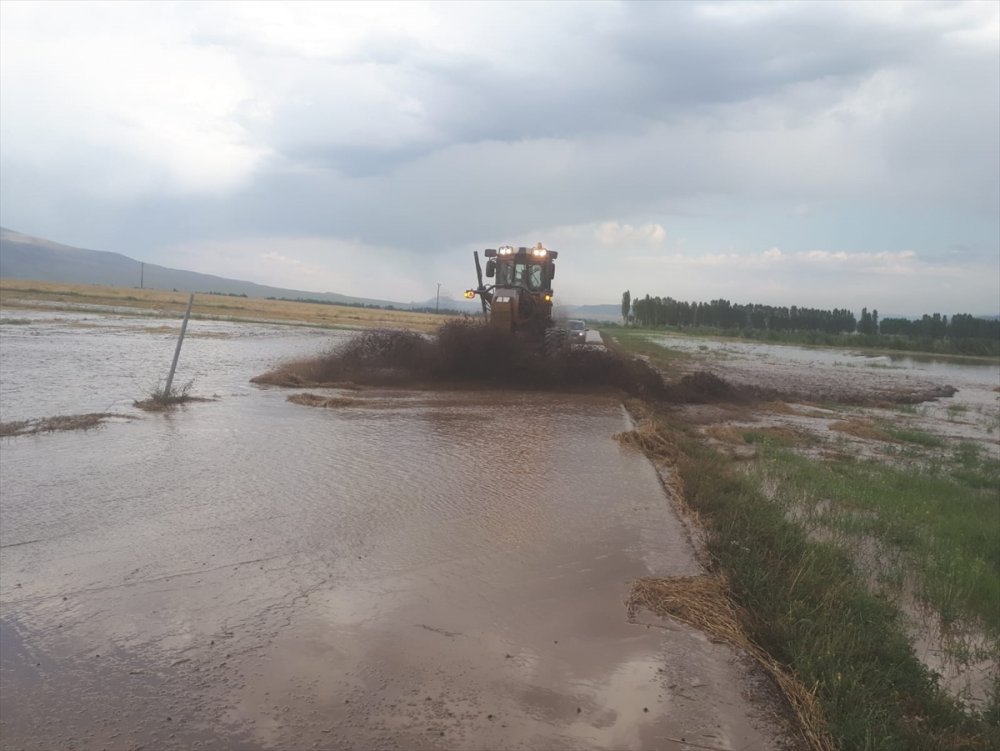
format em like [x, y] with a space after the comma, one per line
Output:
[32, 295]
[858, 533]
[848, 509]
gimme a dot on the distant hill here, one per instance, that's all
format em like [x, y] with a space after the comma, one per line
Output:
[26, 257]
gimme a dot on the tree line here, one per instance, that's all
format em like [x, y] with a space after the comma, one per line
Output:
[661, 312]
[666, 311]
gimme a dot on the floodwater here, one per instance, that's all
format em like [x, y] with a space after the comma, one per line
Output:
[946, 369]
[423, 570]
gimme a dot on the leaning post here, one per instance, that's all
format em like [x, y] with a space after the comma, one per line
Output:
[177, 351]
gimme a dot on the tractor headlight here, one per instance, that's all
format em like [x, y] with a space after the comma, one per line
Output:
[469, 294]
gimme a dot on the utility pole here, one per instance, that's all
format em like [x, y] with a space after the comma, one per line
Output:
[437, 305]
[177, 352]
[142, 270]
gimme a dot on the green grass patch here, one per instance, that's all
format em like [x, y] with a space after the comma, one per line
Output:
[943, 518]
[809, 607]
[637, 342]
[778, 436]
[914, 435]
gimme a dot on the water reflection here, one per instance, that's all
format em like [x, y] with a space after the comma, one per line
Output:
[418, 570]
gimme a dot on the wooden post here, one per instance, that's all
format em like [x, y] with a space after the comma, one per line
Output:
[177, 352]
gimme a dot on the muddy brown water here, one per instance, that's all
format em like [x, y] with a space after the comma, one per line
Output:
[425, 570]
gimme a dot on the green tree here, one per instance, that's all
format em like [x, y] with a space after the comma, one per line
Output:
[866, 325]
[626, 305]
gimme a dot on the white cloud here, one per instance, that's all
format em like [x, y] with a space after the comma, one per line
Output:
[317, 264]
[620, 235]
[117, 99]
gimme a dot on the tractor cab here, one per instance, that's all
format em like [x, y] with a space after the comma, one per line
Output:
[530, 269]
[520, 299]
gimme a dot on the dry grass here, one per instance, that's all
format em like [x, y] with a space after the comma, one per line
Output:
[165, 405]
[780, 408]
[647, 439]
[704, 602]
[315, 400]
[26, 294]
[158, 401]
[52, 424]
[780, 435]
[726, 433]
[860, 428]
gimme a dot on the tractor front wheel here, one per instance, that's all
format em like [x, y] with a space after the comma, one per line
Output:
[556, 340]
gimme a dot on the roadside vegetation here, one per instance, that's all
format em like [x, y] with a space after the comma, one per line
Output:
[839, 533]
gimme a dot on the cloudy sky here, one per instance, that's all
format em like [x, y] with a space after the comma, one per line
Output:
[840, 154]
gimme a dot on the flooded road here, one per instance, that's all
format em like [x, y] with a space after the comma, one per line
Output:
[420, 570]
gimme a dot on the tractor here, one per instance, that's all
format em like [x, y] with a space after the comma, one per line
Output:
[520, 301]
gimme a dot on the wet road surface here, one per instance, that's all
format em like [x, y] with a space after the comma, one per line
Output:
[440, 570]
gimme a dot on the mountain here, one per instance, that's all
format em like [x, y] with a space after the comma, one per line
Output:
[26, 257]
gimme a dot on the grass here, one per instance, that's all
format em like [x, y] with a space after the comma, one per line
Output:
[952, 349]
[943, 519]
[636, 341]
[35, 295]
[914, 435]
[161, 400]
[805, 603]
[803, 539]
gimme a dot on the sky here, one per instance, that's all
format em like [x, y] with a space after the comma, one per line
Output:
[808, 153]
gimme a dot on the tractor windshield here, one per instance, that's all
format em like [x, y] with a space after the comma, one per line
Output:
[521, 274]
[535, 277]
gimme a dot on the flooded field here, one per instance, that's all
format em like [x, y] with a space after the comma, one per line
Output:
[961, 370]
[415, 570]
[857, 407]
[938, 384]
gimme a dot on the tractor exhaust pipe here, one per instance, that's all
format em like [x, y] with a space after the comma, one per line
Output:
[479, 278]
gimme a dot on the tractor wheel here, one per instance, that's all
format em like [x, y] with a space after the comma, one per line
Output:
[555, 341]
[551, 344]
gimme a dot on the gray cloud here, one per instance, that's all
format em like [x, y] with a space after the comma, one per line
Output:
[448, 127]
